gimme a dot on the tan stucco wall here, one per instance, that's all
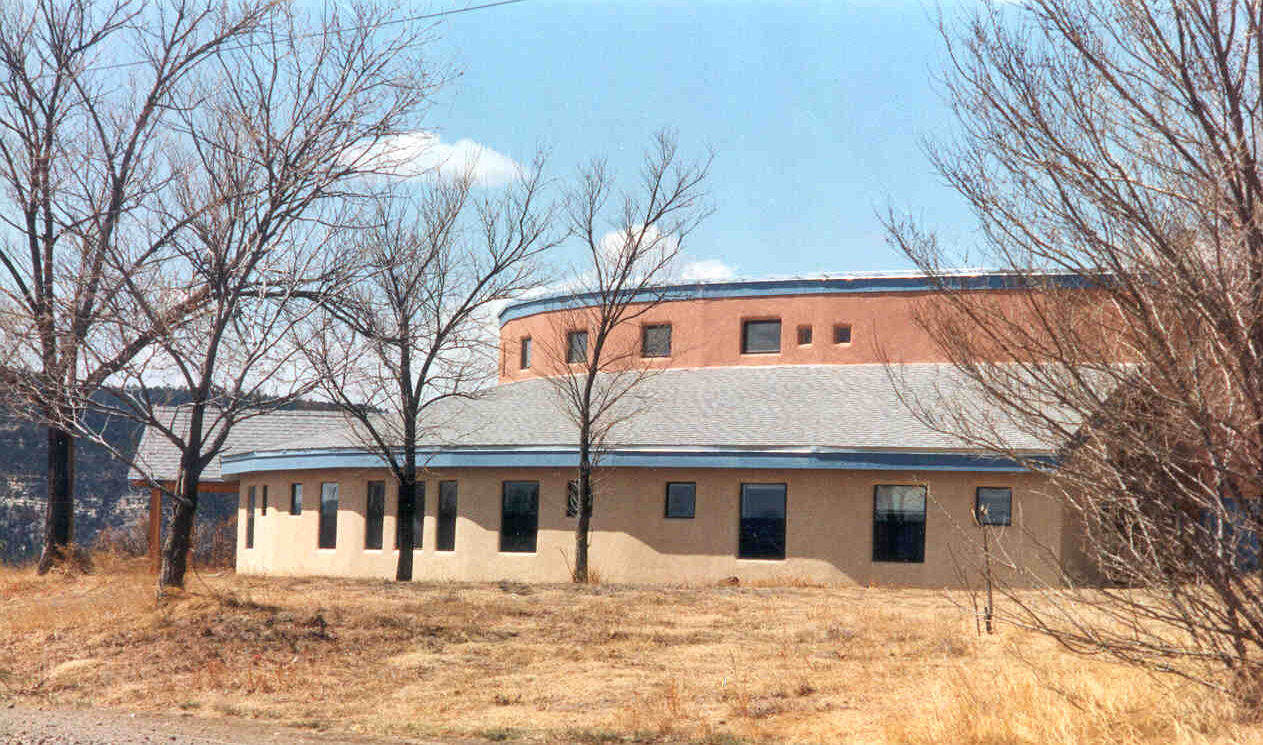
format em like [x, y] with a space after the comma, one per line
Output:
[828, 532]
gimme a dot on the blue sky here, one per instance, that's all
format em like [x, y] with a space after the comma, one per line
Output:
[816, 112]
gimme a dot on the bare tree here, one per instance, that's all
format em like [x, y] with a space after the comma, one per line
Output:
[86, 94]
[630, 242]
[1110, 154]
[410, 330]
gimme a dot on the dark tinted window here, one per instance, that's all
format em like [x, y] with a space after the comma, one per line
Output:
[760, 337]
[572, 499]
[446, 539]
[899, 523]
[328, 516]
[656, 341]
[418, 518]
[804, 335]
[525, 360]
[295, 499]
[842, 334]
[519, 516]
[762, 521]
[681, 499]
[265, 501]
[250, 517]
[577, 346]
[374, 514]
[995, 505]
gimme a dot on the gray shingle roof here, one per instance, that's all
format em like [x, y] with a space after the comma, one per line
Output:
[795, 406]
[161, 460]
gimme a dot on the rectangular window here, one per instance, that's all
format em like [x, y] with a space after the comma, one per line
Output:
[761, 337]
[446, 540]
[899, 523]
[842, 333]
[525, 361]
[762, 522]
[572, 499]
[328, 516]
[265, 500]
[250, 517]
[519, 516]
[577, 346]
[655, 341]
[681, 500]
[295, 499]
[418, 518]
[994, 505]
[374, 514]
[804, 336]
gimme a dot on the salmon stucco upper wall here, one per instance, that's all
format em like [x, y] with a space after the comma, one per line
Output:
[708, 331]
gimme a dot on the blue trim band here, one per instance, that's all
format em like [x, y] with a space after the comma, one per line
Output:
[860, 460]
[825, 286]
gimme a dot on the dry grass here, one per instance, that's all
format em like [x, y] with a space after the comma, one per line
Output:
[559, 663]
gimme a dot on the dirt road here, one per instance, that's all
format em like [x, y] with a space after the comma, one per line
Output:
[20, 726]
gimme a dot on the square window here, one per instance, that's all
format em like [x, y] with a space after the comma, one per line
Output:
[519, 516]
[899, 523]
[762, 522]
[842, 333]
[761, 337]
[994, 505]
[655, 341]
[295, 499]
[681, 500]
[804, 336]
[577, 346]
[572, 499]
[525, 358]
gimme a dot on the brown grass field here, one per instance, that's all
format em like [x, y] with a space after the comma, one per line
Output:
[577, 664]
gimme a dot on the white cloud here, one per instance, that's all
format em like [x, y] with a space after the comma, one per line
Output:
[707, 270]
[424, 153]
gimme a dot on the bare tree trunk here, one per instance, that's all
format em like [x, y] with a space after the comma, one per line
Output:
[59, 520]
[175, 551]
[407, 511]
[583, 526]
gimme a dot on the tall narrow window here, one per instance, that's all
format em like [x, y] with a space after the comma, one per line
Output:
[762, 522]
[374, 514]
[250, 517]
[842, 333]
[446, 539]
[519, 516]
[328, 516]
[899, 523]
[761, 337]
[572, 499]
[525, 360]
[577, 346]
[265, 500]
[994, 505]
[655, 341]
[295, 499]
[418, 519]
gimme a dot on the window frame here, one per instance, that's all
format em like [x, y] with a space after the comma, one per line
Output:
[990, 521]
[644, 340]
[374, 526]
[571, 347]
[524, 353]
[666, 507]
[838, 329]
[745, 335]
[326, 520]
[806, 335]
[445, 518]
[745, 555]
[534, 533]
[925, 499]
[296, 498]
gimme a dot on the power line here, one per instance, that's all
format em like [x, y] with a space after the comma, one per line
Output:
[394, 22]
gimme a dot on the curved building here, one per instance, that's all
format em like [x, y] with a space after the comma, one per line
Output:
[774, 441]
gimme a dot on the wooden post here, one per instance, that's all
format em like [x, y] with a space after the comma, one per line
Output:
[155, 529]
